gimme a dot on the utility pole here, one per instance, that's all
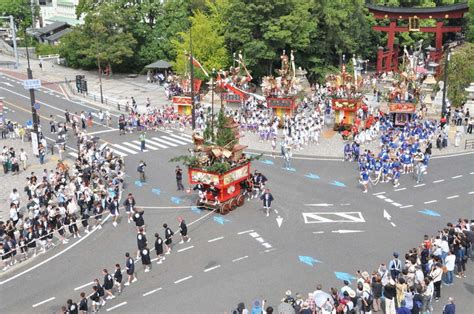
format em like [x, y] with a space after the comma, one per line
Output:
[193, 109]
[100, 80]
[446, 62]
[34, 135]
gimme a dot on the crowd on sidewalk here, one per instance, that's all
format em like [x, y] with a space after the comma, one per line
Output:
[407, 284]
[61, 201]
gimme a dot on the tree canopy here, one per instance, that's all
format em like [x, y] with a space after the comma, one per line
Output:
[460, 73]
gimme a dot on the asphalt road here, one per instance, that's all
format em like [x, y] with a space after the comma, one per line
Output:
[327, 222]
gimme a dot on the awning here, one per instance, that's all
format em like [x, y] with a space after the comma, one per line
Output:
[160, 64]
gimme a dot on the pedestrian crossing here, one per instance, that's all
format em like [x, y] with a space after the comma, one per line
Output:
[126, 148]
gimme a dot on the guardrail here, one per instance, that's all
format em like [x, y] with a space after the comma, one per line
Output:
[469, 143]
[107, 101]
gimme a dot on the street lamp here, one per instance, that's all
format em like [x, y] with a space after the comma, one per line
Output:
[34, 136]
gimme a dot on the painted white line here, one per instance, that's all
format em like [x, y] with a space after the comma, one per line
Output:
[103, 131]
[182, 138]
[452, 196]
[401, 189]
[318, 232]
[165, 207]
[147, 145]
[452, 155]
[186, 135]
[84, 285]
[163, 141]
[268, 250]
[239, 258]
[261, 240]
[215, 239]
[393, 224]
[267, 245]
[407, 206]
[430, 202]
[116, 306]
[243, 232]
[388, 200]
[202, 217]
[183, 279]
[43, 302]
[125, 149]
[254, 235]
[151, 292]
[118, 152]
[185, 249]
[54, 256]
[438, 181]
[472, 192]
[397, 204]
[379, 193]
[276, 211]
[134, 146]
[381, 197]
[156, 144]
[75, 155]
[174, 140]
[418, 185]
[456, 177]
[212, 268]
[471, 172]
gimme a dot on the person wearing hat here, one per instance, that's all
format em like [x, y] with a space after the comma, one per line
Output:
[395, 266]
[267, 199]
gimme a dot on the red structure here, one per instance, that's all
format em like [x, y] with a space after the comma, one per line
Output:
[387, 58]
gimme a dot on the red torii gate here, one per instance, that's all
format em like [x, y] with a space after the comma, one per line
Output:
[387, 59]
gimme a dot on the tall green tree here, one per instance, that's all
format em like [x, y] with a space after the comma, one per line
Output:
[21, 11]
[460, 73]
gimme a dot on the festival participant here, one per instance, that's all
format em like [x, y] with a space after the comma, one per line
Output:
[159, 248]
[130, 269]
[183, 230]
[267, 199]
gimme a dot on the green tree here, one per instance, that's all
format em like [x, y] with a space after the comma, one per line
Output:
[208, 46]
[460, 73]
[470, 22]
[21, 11]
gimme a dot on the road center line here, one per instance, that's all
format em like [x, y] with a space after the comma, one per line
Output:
[43, 302]
[212, 268]
[243, 232]
[429, 202]
[379, 193]
[393, 224]
[254, 235]
[381, 197]
[183, 279]
[118, 305]
[401, 189]
[418, 185]
[472, 192]
[239, 258]
[396, 204]
[152, 291]
[186, 248]
[456, 177]
[84, 285]
[216, 239]
[438, 181]
[407, 206]
[388, 200]
[452, 196]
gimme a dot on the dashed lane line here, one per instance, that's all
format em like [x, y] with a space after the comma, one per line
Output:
[379, 193]
[438, 181]
[43, 302]
[472, 192]
[84, 285]
[183, 279]
[260, 239]
[388, 200]
[381, 197]
[151, 292]
[212, 268]
[451, 197]
[116, 306]
[407, 206]
[397, 204]
[240, 258]
[457, 177]
[215, 239]
[393, 224]
[419, 185]
[185, 249]
[430, 202]
[244, 232]
[401, 189]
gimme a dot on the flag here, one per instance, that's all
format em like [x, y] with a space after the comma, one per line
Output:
[199, 65]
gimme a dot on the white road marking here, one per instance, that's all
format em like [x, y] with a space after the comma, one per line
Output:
[212, 268]
[163, 141]
[393, 224]
[401, 189]
[183, 279]
[118, 153]
[452, 155]
[185, 249]
[381, 197]
[154, 259]
[84, 285]
[438, 181]
[43, 302]
[147, 145]
[125, 149]
[254, 235]
[471, 172]
[418, 185]
[151, 292]
[407, 206]
[267, 245]
[202, 217]
[456, 177]
[472, 192]
[429, 202]
[318, 232]
[156, 144]
[182, 138]
[388, 200]
[397, 204]
[239, 258]
[215, 239]
[75, 155]
[379, 193]
[332, 217]
[56, 255]
[186, 135]
[116, 306]
[103, 131]
[451, 197]
[243, 232]
[137, 147]
[174, 140]
[261, 240]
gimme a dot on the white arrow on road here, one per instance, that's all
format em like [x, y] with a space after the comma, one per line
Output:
[320, 205]
[386, 215]
[347, 231]
[279, 221]
[8, 84]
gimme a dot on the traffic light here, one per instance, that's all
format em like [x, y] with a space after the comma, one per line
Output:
[84, 85]
[79, 84]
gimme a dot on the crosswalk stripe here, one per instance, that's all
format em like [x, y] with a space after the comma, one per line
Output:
[118, 153]
[73, 154]
[166, 142]
[186, 135]
[132, 145]
[147, 145]
[125, 149]
[182, 138]
[174, 140]
[156, 144]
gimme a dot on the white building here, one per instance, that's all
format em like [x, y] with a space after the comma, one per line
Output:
[58, 11]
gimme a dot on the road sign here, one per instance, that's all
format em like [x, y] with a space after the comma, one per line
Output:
[331, 217]
[29, 123]
[34, 143]
[37, 105]
[32, 84]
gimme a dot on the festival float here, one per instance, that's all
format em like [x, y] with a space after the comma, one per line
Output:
[281, 92]
[218, 163]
